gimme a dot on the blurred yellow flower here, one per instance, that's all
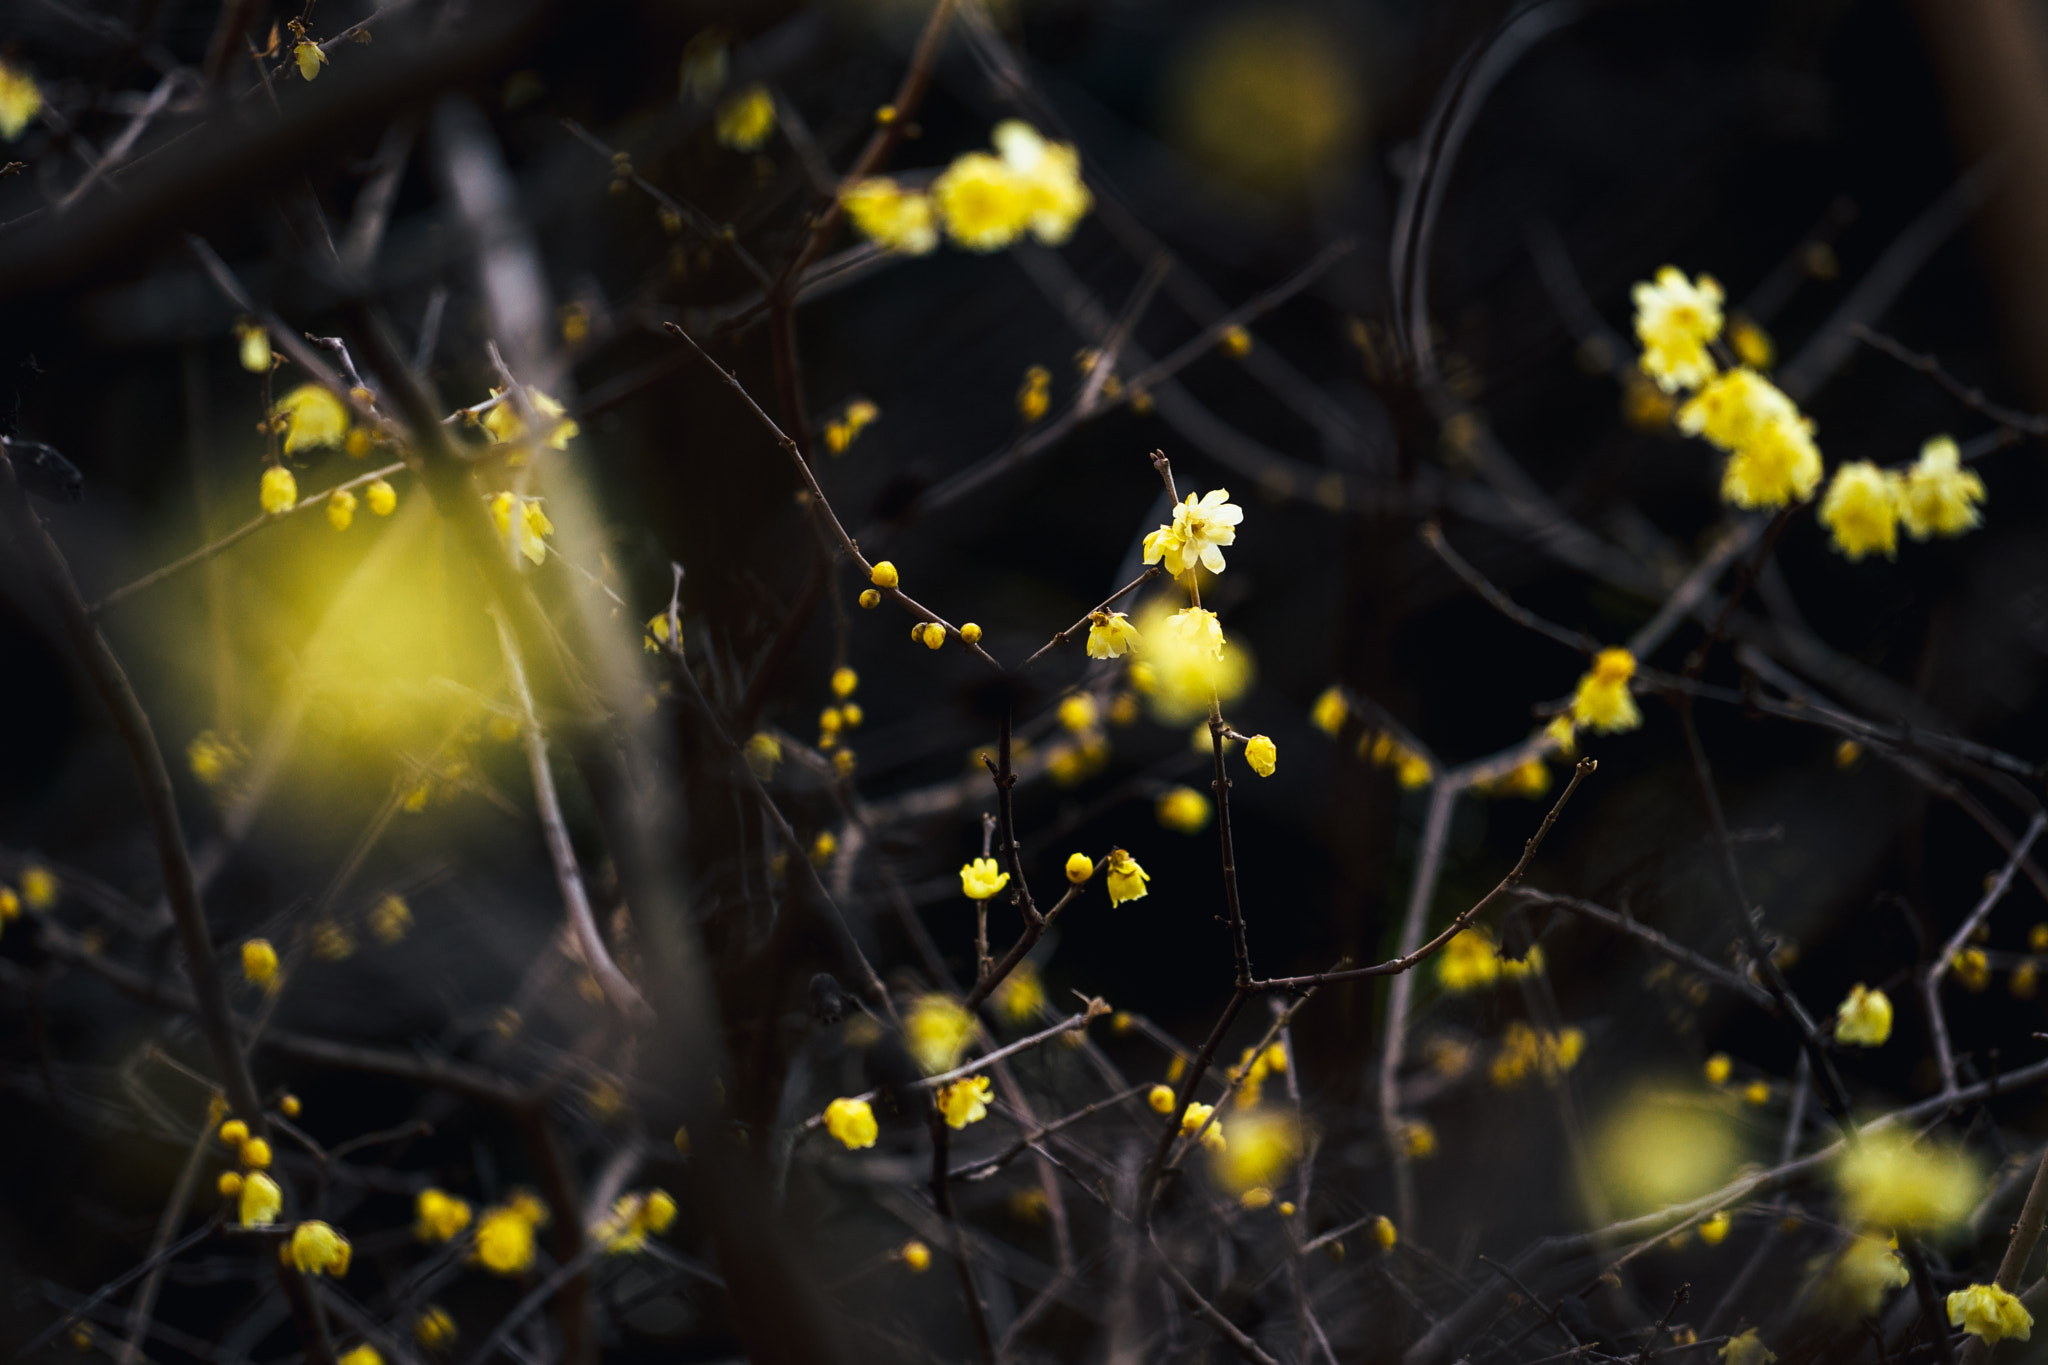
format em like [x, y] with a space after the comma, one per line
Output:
[1160, 1097]
[983, 203]
[1987, 1311]
[1675, 320]
[936, 1031]
[1602, 701]
[1746, 1350]
[1197, 1118]
[317, 1249]
[852, 1122]
[1330, 711]
[262, 1200]
[1861, 509]
[1971, 968]
[1079, 868]
[1861, 1277]
[1864, 1018]
[506, 425]
[891, 216]
[916, 1256]
[1183, 810]
[1940, 497]
[1049, 177]
[504, 1238]
[1021, 996]
[1078, 712]
[252, 347]
[1384, 1234]
[965, 1101]
[1715, 1230]
[1034, 397]
[844, 682]
[1890, 1181]
[438, 1215]
[522, 521]
[1780, 464]
[21, 99]
[312, 416]
[1468, 961]
[1263, 1144]
[1268, 99]
[434, 1328]
[746, 119]
[278, 490]
[259, 962]
[1718, 1069]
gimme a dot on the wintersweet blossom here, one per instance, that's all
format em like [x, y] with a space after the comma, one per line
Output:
[1384, 1233]
[1890, 1181]
[1864, 1018]
[852, 1122]
[746, 119]
[1201, 526]
[1746, 1350]
[1262, 754]
[1330, 711]
[21, 99]
[382, 497]
[309, 58]
[310, 416]
[1780, 465]
[506, 424]
[916, 1256]
[1861, 509]
[1602, 701]
[522, 521]
[1196, 1118]
[1990, 1312]
[1080, 868]
[1161, 1098]
[1940, 497]
[252, 346]
[1021, 997]
[262, 1200]
[259, 962]
[1675, 319]
[982, 878]
[434, 1328]
[1198, 630]
[890, 216]
[1111, 635]
[965, 1101]
[1049, 177]
[364, 1354]
[844, 682]
[278, 491]
[1126, 879]
[1715, 1230]
[504, 1236]
[937, 1030]
[1733, 409]
[1263, 1144]
[317, 1249]
[1079, 712]
[438, 1215]
[341, 509]
[633, 1219]
[1867, 1270]
[1034, 395]
[883, 575]
[1183, 810]
[983, 203]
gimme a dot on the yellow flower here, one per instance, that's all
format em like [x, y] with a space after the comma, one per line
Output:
[635, 1217]
[1675, 319]
[1779, 464]
[746, 118]
[278, 491]
[890, 216]
[1126, 879]
[1034, 398]
[1049, 180]
[331, 942]
[1890, 1181]
[937, 1031]
[1198, 631]
[1111, 635]
[1940, 497]
[1418, 1139]
[439, 1215]
[929, 634]
[382, 497]
[524, 523]
[870, 599]
[1862, 509]
[504, 1237]
[1987, 1311]
[965, 1101]
[1257, 1198]
[256, 1153]
[259, 962]
[506, 425]
[1263, 1144]
[1079, 712]
[1752, 344]
[1468, 961]
[1602, 701]
[364, 1354]
[1746, 1350]
[317, 1249]
[763, 752]
[312, 416]
[1525, 1052]
[1757, 1093]
[1235, 342]
[1715, 1230]
[970, 633]
[1161, 1098]
[1384, 1233]
[1719, 1068]
[982, 878]
[1330, 711]
[1262, 754]
[252, 347]
[2023, 981]
[229, 1184]
[823, 847]
[1863, 1274]
[916, 1257]
[341, 509]
[883, 575]
[434, 1328]
[310, 59]
[852, 1122]
[234, 1132]
[1201, 526]
[262, 1200]
[1732, 410]
[1971, 968]
[844, 682]
[983, 202]
[1864, 1018]
[1196, 1119]
[1079, 868]
[1021, 997]
[21, 99]
[1183, 809]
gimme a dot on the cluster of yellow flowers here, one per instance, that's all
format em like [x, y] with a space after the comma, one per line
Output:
[252, 1152]
[505, 424]
[982, 202]
[1253, 1068]
[845, 429]
[1525, 1052]
[1199, 1118]
[504, 1235]
[1772, 459]
[633, 1219]
[1472, 959]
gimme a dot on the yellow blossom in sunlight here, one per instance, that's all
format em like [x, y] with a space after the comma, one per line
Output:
[1746, 1350]
[1867, 1270]
[1675, 319]
[1384, 1234]
[262, 1200]
[1987, 1311]
[1752, 344]
[364, 1354]
[1861, 509]
[964, 1101]
[1715, 1230]
[1034, 397]
[438, 1215]
[937, 1031]
[504, 1238]
[382, 497]
[1111, 635]
[852, 1122]
[317, 1249]
[252, 347]
[21, 99]
[916, 1256]
[1864, 1018]
[1602, 701]
[1940, 497]
[1263, 1144]
[1201, 526]
[1126, 879]
[259, 962]
[434, 1328]
[983, 202]
[1183, 810]
[278, 490]
[746, 119]
[506, 425]
[1779, 464]
[1330, 711]
[311, 417]
[1971, 968]
[1048, 175]
[1079, 868]
[1468, 961]
[1719, 1068]
[982, 878]
[1079, 712]
[1262, 754]
[891, 216]
[1890, 1181]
